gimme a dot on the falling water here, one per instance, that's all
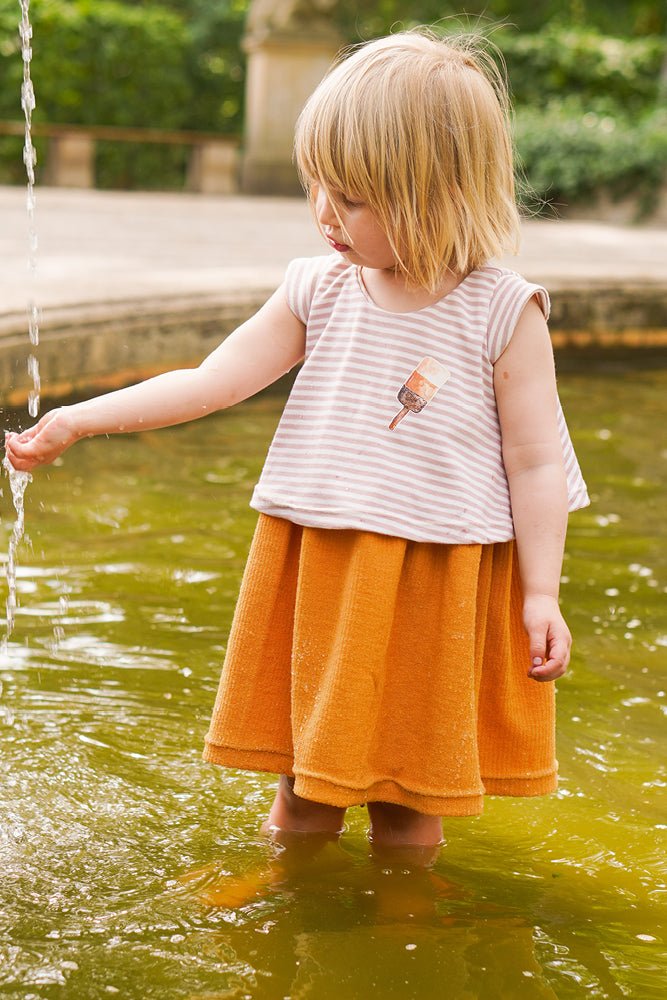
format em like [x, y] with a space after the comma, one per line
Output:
[30, 160]
[18, 481]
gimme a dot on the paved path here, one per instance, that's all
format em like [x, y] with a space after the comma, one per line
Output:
[97, 247]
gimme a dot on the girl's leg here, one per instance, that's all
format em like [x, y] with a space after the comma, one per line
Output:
[398, 826]
[292, 814]
[406, 844]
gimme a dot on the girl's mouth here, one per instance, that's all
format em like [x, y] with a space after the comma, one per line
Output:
[340, 247]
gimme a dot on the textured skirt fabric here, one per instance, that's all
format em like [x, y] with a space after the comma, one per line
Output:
[372, 668]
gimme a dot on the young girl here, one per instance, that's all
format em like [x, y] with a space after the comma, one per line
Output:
[398, 632]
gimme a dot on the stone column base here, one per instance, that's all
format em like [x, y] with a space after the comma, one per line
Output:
[213, 167]
[270, 177]
[71, 161]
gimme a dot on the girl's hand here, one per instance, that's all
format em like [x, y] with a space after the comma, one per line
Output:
[41, 444]
[549, 637]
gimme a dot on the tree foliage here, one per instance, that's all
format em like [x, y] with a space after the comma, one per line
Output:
[569, 156]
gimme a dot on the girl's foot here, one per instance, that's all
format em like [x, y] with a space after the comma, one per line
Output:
[290, 814]
[394, 826]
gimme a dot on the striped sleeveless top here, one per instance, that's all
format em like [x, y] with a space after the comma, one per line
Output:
[437, 475]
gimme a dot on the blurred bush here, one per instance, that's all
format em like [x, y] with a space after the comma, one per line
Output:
[109, 63]
[571, 155]
[369, 18]
[590, 116]
[558, 62]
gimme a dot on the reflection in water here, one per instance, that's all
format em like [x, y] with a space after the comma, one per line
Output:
[131, 869]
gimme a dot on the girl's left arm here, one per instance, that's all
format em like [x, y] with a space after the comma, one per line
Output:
[525, 387]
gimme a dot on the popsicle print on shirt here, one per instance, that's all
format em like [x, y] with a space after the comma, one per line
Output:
[420, 388]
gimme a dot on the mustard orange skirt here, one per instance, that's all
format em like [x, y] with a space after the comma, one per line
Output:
[372, 668]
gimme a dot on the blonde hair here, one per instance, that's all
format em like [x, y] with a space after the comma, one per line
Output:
[417, 127]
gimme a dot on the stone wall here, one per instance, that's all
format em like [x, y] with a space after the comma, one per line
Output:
[102, 347]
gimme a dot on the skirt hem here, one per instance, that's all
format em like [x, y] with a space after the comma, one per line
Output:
[331, 792]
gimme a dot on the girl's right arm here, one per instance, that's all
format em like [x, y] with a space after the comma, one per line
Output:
[256, 354]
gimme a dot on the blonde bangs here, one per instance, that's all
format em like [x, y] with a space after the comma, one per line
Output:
[329, 142]
[417, 127]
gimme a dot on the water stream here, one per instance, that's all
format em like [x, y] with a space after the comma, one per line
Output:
[18, 481]
[30, 161]
[138, 547]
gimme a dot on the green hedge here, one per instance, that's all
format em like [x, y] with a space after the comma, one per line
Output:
[101, 62]
[569, 154]
[368, 18]
[558, 62]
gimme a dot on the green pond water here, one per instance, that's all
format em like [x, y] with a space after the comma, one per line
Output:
[126, 591]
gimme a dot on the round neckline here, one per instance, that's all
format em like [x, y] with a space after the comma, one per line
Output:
[408, 312]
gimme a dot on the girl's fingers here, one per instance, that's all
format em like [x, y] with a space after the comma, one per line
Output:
[555, 663]
[38, 445]
[16, 441]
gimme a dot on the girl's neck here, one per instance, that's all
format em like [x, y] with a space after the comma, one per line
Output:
[388, 290]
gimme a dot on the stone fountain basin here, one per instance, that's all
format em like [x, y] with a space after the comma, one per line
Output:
[130, 284]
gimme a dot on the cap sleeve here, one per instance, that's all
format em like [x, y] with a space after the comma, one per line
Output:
[301, 280]
[510, 297]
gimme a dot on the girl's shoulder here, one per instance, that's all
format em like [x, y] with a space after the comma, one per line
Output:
[509, 295]
[308, 277]
[506, 283]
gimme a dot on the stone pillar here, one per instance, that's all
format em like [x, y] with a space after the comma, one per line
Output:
[71, 161]
[213, 167]
[285, 63]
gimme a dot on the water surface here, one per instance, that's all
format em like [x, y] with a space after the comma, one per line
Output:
[126, 594]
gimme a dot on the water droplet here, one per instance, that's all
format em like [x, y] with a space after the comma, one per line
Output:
[27, 98]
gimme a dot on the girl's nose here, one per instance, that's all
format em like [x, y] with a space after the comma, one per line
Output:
[324, 209]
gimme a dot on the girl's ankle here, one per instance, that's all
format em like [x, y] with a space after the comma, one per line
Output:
[292, 814]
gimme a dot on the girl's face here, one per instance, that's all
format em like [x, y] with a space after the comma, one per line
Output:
[363, 241]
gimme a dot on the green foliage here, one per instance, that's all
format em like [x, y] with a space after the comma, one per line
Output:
[99, 61]
[111, 63]
[369, 18]
[566, 61]
[216, 63]
[570, 154]
[103, 62]
[589, 115]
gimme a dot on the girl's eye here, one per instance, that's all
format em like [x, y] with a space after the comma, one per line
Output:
[351, 203]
